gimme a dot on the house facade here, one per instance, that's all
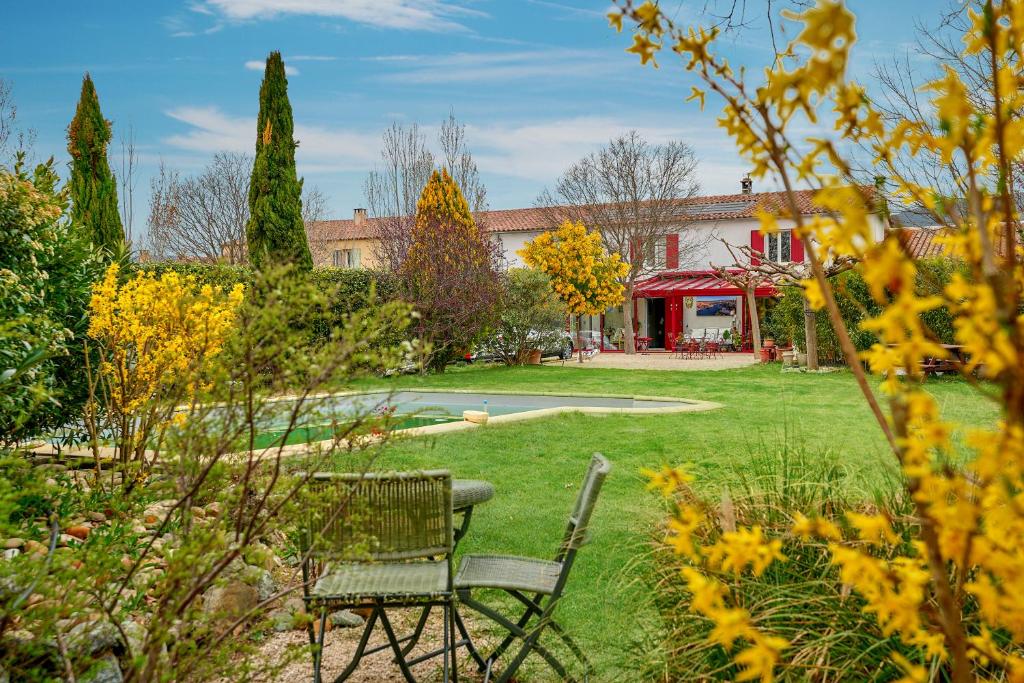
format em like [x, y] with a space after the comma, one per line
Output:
[680, 294]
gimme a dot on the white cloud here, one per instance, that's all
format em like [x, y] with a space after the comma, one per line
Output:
[542, 151]
[491, 67]
[260, 65]
[416, 15]
[320, 149]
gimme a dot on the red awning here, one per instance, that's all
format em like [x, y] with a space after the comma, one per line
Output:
[693, 283]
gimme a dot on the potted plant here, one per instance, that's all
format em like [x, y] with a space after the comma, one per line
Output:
[534, 357]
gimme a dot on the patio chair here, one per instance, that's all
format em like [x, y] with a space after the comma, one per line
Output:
[537, 584]
[379, 541]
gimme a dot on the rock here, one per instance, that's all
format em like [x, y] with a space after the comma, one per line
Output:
[136, 635]
[231, 600]
[282, 620]
[35, 548]
[260, 555]
[213, 509]
[260, 579]
[14, 543]
[11, 553]
[97, 517]
[139, 529]
[295, 605]
[198, 512]
[345, 619]
[475, 416]
[93, 637]
[67, 539]
[79, 531]
[105, 670]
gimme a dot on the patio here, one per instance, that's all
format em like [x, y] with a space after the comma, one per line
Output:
[660, 361]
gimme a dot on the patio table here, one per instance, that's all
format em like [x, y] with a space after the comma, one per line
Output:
[467, 494]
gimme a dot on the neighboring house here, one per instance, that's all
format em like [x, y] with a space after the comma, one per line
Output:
[683, 295]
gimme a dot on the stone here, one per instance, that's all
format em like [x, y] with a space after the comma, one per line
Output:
[79, 531]
[282, 620]
[65, 540]
[231, 600]
[97, 517]
[11, 553]
[35, 547]
[135, 633]
[93, 637]
[14, 543]
[139, 529]
[213, 509]
[345, 619]
[105, 670]
[198, 512]
[475, 416]
[260, 579]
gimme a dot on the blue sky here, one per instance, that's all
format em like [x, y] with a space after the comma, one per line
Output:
[539, 83]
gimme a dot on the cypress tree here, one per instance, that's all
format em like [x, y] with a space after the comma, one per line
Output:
[275, 232]
[93, 187]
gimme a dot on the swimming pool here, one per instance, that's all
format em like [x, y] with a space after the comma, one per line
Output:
[436, 411]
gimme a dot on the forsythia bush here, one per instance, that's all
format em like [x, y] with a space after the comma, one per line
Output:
[955, 597]
[155, 333]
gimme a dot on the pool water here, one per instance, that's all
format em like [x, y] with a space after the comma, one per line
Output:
[325, 432]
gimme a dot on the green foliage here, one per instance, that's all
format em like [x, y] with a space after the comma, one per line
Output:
[786, 320]
[532, 316]
[46, 271]
[275, 232]
[93, 187]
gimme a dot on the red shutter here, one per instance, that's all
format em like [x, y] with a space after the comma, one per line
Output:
[757, 245]
[796, 248]
[672, 251]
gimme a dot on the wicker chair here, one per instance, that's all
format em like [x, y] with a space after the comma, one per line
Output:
[537, 584]
[379, 541]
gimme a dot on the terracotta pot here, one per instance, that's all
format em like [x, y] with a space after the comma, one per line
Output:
[769, 343]
[766, 354]
[534, 358]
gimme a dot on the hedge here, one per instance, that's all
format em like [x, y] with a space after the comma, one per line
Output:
[786, 320]
[351, 284]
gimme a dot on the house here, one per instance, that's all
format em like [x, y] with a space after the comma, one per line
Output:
[680, 295]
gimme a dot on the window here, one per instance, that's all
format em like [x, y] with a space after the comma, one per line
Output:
[778, 248]
[654, 255]
[346, 258]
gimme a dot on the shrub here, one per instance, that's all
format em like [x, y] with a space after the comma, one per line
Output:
[46, 270]
[450, 273]
[786, 319]
[532, 316]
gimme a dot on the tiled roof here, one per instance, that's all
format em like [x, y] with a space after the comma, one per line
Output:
[921, 242]
[707, 208]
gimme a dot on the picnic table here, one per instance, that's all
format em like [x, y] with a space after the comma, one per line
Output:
[956, 359]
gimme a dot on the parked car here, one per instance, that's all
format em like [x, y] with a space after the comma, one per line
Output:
[558, 344]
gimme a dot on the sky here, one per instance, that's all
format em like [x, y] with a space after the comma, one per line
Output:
[538, 83]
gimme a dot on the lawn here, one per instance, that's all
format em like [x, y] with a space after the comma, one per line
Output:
[535, 465]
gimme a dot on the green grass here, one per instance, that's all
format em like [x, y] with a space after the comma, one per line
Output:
[536, 465]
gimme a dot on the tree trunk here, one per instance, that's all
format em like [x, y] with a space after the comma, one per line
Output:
[579, 336]
[811, 335]
[629, 339]
[755, 320]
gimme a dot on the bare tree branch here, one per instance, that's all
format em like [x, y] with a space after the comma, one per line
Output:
[202, 218]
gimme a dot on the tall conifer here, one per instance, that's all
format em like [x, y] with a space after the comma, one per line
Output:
[93, 187]
[275, 232]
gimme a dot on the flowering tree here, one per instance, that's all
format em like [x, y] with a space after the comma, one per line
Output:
[153, 334]
[952, 591]
[450, 273]
[583, 274]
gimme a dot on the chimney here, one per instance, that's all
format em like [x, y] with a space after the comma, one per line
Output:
[359, 216]
[746, 185]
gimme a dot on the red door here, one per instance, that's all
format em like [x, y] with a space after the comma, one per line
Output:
[673, 320]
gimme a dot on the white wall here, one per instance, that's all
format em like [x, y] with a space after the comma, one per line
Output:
[511, 242]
